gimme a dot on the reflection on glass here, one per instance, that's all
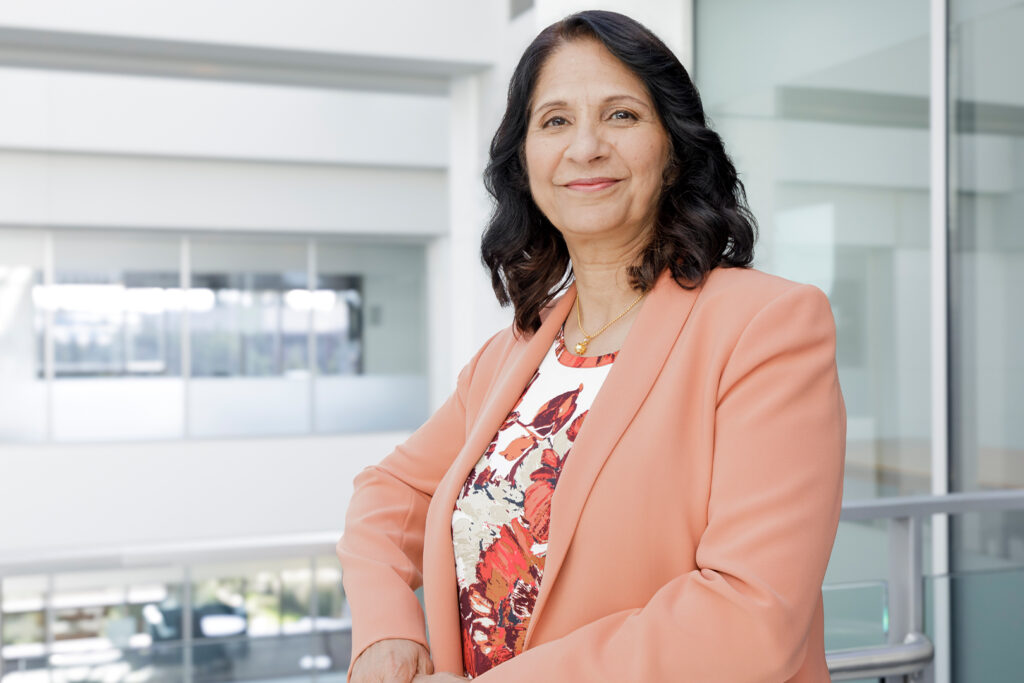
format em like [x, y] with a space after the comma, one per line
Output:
[24, 618]
[987, 334]
[114, 323]
[117, 314]
[369, 313]
[249, 324]
[858, 615]
[830, 135]
[337, 307]
[251, 592]
[989, 618]
[103, 621]
[987, 276]
[332, 607]
[116, 305]
[249, 620]
[249, 331]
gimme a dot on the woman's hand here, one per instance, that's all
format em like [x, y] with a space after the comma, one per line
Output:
[443, 677]
[392, 660]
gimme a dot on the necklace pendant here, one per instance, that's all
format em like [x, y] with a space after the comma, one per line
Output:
[581, 348]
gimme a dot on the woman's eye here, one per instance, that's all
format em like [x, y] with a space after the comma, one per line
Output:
[629, 115]
[552, 120]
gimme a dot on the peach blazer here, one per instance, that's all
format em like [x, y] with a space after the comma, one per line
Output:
[692, 524]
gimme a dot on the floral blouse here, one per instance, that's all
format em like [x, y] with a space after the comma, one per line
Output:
[500, 522]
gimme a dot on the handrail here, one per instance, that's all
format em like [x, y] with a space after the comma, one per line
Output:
[909, 651]
[168, 554]
[913, 654]
[920, 506]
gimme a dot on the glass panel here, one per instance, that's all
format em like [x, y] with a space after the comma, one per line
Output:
[23, 399]
[268, 597]
[987, 245]
[989, 609]
[989, 540]
[371, 337]
[337, 647]
[106, 625]
[116, 302]
[249, 326]
[152, 664]
[830, 136]
[986, 332]
[856, 586]
[332, 608]
[126, 624]
[23, 638]
[250, 660]
[858, 615]
[296, 600]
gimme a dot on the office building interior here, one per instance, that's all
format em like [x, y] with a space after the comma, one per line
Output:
[239, 262]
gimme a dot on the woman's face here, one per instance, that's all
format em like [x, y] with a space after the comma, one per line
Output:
[595, 148]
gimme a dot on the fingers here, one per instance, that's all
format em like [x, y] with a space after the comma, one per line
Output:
[392, 661]
[424, 664]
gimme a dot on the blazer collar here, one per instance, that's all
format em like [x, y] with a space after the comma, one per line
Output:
[637, 365]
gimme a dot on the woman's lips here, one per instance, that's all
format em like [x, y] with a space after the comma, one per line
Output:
[592, 185]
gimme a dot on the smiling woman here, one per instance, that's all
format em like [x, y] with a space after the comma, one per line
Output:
[639, 510]
[595, 117]
[605, 142]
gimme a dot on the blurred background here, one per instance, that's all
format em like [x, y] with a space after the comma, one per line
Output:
[239, 262]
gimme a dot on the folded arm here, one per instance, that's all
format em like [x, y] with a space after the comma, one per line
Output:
[381, 550]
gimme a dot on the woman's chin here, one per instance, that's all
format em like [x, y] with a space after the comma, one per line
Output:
[596, 228]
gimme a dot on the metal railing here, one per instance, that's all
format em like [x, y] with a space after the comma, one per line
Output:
[909, 652]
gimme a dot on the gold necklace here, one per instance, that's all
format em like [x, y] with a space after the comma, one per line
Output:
[581, 347]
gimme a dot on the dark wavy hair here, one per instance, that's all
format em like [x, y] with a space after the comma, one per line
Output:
[703, 219]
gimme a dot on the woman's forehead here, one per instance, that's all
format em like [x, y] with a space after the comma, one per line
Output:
[585, 72]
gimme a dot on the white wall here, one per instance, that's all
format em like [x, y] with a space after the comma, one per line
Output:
[71, 190]
[670, 20]
[122, 114]
[123, 493]
[81, 150]
[458, 31]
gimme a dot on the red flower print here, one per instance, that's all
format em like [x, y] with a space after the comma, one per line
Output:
[512, 418]
[574, 428]
[519, 446]
[495, 610]
[507, 559]
[479, 603]
[537, 503]
[553, 415]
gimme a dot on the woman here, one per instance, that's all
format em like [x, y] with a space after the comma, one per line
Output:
[640, 479]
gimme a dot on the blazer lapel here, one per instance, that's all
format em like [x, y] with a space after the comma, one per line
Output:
[643, 353]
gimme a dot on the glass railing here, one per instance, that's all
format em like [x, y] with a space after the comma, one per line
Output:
[895, 627]
[246, 610]
[229, 659]
[987, 638]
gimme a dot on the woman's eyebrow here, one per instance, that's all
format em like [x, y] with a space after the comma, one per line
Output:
[607, 100]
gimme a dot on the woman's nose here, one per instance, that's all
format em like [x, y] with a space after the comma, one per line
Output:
[587, 143]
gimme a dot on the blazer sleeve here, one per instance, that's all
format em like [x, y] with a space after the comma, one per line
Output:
[381, 548]
[745, 613]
